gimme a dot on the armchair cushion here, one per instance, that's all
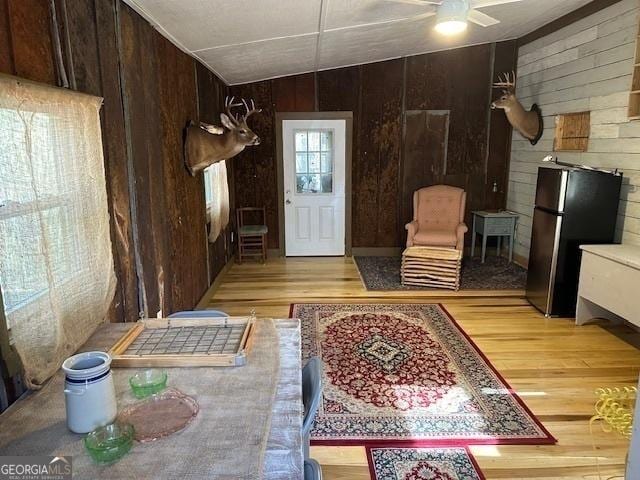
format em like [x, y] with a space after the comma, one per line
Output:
[436, 238]
[438, 217]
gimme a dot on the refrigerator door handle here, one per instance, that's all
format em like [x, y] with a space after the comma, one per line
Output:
[554, 265]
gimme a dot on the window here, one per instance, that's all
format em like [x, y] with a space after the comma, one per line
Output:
[216, 194]
[572, 132]
[56, 265]
[23, 266]
[314, 161]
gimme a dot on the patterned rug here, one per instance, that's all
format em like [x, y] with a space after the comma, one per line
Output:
[422, 464]
[408, 373]
[383, 273]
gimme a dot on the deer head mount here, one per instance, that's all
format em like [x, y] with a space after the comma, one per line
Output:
[527, 123]
[208, 144]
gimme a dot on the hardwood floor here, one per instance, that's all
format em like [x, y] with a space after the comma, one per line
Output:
[552, 364]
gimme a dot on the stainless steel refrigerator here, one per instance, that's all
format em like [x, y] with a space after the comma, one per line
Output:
[573, 207]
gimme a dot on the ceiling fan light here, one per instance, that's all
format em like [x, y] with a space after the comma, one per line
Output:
[451, 27]
[452, 17]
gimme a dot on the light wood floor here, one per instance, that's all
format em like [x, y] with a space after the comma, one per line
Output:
[552, 364]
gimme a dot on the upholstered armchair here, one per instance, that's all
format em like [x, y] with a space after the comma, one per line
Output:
[438, 217]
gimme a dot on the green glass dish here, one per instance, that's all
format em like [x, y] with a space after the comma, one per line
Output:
[110, 443]
[148, 382]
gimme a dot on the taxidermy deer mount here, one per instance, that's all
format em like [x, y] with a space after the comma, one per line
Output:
[208, 144]
[527, 123]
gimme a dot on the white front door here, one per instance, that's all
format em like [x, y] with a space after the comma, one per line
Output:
[314, 186]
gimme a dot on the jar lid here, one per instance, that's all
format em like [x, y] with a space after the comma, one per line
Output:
[86, 365]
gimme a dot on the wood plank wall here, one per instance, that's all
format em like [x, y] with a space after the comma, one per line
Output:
[585, 66]
[151, 90]
[379, 94]
[211, 94]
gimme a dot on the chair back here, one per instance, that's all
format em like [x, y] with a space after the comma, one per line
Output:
[243, 212]
[439, 207]
[312, 470]
[311, 395]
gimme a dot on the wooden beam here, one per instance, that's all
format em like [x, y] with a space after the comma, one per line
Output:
[568, 19]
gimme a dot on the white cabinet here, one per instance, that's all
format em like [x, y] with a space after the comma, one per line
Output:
[609, 283]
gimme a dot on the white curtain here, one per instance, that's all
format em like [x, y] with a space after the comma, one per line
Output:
[217, 194]
[56, 265]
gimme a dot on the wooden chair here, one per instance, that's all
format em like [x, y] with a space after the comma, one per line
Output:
[252, 238]
[311, 395]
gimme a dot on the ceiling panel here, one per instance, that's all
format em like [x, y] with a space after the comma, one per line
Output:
[349, 13]
[248, 40]
[261, 60]
[200, 24]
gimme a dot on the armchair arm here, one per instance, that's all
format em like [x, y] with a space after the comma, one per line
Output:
[412, 229]
[461, 229]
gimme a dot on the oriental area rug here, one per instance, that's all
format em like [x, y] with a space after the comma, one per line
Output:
[407, 373]
[455, 463]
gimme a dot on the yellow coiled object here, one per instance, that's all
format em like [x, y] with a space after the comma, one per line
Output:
[615, 409]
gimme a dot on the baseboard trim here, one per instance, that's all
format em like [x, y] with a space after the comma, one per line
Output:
[202, 304]
[376, 251]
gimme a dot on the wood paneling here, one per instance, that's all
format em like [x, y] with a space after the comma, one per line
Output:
[424, 154]
[379, 94]
[116, 168]
[139, 77]
[505, 60]
[149, 91]
[458, 81]
[183, 194]
[6, 48]
[31, 47]
[294, 94]
[255, 168]
[603, 90]
[375, 182]
[211, 94]
[568, 19]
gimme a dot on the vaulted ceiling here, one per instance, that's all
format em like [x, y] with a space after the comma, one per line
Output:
[248, 40]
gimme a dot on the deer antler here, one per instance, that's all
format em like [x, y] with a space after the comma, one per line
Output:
[250, 111]
[506, 81]
[228, 105]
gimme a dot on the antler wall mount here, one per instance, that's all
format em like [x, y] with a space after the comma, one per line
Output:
[528, 123]
[208, 144]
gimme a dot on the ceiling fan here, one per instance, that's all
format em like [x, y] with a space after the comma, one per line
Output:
[452, 16]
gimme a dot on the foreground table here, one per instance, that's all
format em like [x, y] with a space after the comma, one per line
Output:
[36, 425]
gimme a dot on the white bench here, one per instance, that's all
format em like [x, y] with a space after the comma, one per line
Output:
[609, 284]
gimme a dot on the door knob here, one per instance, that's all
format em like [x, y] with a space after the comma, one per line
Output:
[288, 202]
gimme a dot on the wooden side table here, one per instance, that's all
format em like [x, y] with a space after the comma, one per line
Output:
[493, 224]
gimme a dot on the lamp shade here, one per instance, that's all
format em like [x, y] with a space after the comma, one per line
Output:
[451, 17]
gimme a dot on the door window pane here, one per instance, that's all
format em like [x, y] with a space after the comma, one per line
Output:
[301, 163]
[314, 161]
[301, 141]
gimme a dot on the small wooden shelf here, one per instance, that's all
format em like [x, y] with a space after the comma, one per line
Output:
[572, 132]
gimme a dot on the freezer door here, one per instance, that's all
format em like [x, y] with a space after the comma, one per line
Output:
[545, 237]
[551, 189]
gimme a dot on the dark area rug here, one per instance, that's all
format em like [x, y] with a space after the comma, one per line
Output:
[383, 273]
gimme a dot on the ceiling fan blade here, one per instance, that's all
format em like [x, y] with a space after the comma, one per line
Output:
[416, 2]
[481, 19]
[490, 3]
[384, 22]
